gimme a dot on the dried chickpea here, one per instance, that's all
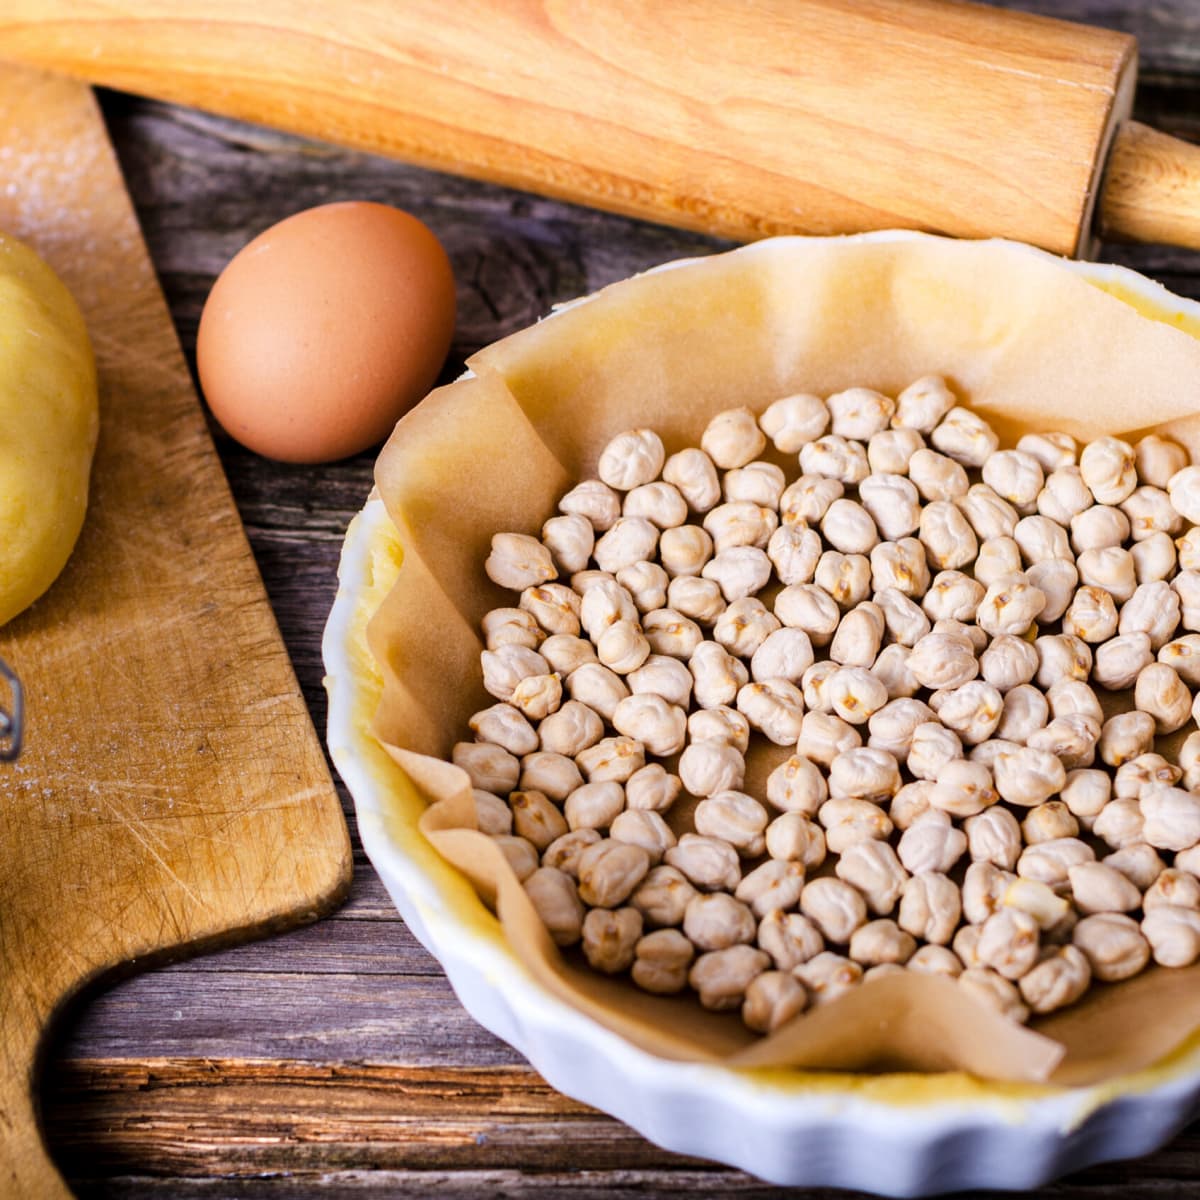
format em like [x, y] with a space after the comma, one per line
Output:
[930, 909]
[794, 551]
[810, 608]
[860, 412]
[1041, 539]
[943, 660]
[1060, 978]
[709, 863]
[774, 884]
[612, 758]
[923, 404]
[1154, 558]
[901, 566]
[718, 675]
[659, 725]
[937, 477]
[966, 437]
[1119, 661]
[651, 789]
[806, 500]
[631, 459]
[859, 636]
[849, 820]
[932, 747]
[775, 707]
[610, 938]
[827, 976]
[994, 836]
[593, 500]
[1064, 495]
[889, 450]
[892, 727]
[629, 540]
[739, 571]
[739, 523]
[823, 736]
[1056, 579]
[720, 724]
[772, 1000]
[997, 557]
[735, 818]
[555, 898]
[948, 540]
[521, 855]
[1009, 943]
[693, 475]
[1098, 528]
[1113, 945]
[663, 896]
[790, 938]
[661, 962]
[881, 941]
[662, 504]
[1091, 616]
[935, 960]
[744, 626]
[835, 457]
[1025, 712]
[646, 583]
[1173, 886]
[874, 871]
[1173, 934]
[1016, 476]
[989, 514]
[685, 550]
[792, 837]
[995, 992]
[834, 907]
[796, 785]
[792, 421]
[593, 805]
[931, 844]
[563, 853]
[732, 438]
[846, 577]
[892, 501]
[1109, 469]
[721, 977]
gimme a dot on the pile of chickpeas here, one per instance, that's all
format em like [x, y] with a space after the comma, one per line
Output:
[964, 653]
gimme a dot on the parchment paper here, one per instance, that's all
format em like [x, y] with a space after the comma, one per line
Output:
[1022, 340]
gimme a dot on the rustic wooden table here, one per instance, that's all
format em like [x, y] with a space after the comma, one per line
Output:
[336, 1061]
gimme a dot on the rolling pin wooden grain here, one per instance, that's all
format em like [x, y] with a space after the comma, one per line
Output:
[737, 118]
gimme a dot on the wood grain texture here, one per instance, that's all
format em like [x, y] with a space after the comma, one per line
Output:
[356, 988]
[172, 793]
[786, 116]
[1152, 188]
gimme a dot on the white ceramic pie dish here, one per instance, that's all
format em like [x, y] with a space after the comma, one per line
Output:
[898, 1135]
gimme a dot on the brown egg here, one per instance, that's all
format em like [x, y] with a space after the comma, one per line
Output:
[322, 331]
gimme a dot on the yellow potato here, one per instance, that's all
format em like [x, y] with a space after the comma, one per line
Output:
[49, 418]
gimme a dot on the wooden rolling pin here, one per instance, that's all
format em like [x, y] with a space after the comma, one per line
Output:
[741, 118]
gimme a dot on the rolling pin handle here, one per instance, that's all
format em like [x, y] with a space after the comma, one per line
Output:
[1151, 189]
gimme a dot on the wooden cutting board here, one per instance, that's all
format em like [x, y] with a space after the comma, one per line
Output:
[172, 795]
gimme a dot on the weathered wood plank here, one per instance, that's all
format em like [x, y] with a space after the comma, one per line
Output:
[319, 1123]
[286, 1014]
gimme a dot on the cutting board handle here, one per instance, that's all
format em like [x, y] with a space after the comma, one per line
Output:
[1151, 190]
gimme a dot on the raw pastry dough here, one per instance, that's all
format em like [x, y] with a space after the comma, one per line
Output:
[49, 419]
